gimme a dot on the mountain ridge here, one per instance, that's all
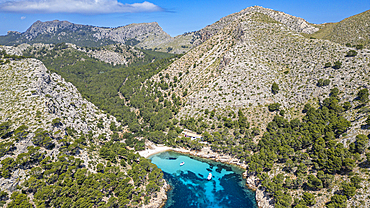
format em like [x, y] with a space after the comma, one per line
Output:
[85, 35]
[149, 35]
[143, 35]
[338, 32]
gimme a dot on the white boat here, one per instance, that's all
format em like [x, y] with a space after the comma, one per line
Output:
[209, 176]
[182, 163]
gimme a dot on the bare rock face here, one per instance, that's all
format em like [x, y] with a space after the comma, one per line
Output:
[29, 88]
[183, 43]
[12, 50]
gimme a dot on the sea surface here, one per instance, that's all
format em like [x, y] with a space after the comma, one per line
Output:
[190, 187]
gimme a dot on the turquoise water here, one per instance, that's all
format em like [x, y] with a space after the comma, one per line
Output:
[190, 187]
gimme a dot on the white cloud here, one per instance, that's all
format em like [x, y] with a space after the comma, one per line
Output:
[76, 6]
[23, 17]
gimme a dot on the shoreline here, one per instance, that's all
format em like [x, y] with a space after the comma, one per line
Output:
[252, 182]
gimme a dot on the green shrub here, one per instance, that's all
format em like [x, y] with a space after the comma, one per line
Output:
[274, 88]
[327, 65]
[359, 47]
[351, 53]
[337, 65]
[274, 107]
[323, 82]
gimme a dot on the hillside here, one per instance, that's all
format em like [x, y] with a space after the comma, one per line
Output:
[114, 87]
[189, 40]
[226, 83]
[235, 68]
[353, 30]
[58, 149]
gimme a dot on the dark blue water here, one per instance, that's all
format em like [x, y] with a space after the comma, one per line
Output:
[190, 187]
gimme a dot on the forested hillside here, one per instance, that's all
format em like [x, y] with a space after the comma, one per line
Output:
[116, 89]
[59, 150]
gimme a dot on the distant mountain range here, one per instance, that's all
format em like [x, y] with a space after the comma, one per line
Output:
[151, 35]
[85, 35]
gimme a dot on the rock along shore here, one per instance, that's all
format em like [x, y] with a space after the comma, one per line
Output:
[263, 199]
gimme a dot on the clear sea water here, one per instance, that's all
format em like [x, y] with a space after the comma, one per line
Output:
[190, 187]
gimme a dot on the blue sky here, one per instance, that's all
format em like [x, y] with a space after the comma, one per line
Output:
[175, 17]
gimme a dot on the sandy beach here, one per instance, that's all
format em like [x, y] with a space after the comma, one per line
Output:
[154, 150]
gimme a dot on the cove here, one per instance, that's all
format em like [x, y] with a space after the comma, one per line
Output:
[190, 187]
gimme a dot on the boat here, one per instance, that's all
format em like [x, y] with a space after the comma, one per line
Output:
[182, 163]
[209, 176]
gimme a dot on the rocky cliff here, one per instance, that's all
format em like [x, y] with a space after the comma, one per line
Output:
[33, 97]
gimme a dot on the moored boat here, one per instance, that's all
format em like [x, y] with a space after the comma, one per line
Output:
[209, 176]
[182, 163]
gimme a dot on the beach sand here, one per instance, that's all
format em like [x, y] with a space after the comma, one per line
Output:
[154, 150]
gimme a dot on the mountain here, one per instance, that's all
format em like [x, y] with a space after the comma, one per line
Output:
[55, 144]
[237, 65]
[85, 35]
[227, 85]
[144, 35]
[151, 36]
[353, 30]
[192, 39]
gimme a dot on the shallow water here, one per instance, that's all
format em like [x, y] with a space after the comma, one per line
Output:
[190, 187]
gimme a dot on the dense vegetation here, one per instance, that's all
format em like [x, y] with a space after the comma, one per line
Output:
[115, 89]
[64, 180]
[113, 175]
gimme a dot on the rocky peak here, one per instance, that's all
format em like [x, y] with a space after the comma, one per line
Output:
[13, 32]
[49, 27]
[192, 39]
[294, 23]
[144, 35]
[136, 31]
